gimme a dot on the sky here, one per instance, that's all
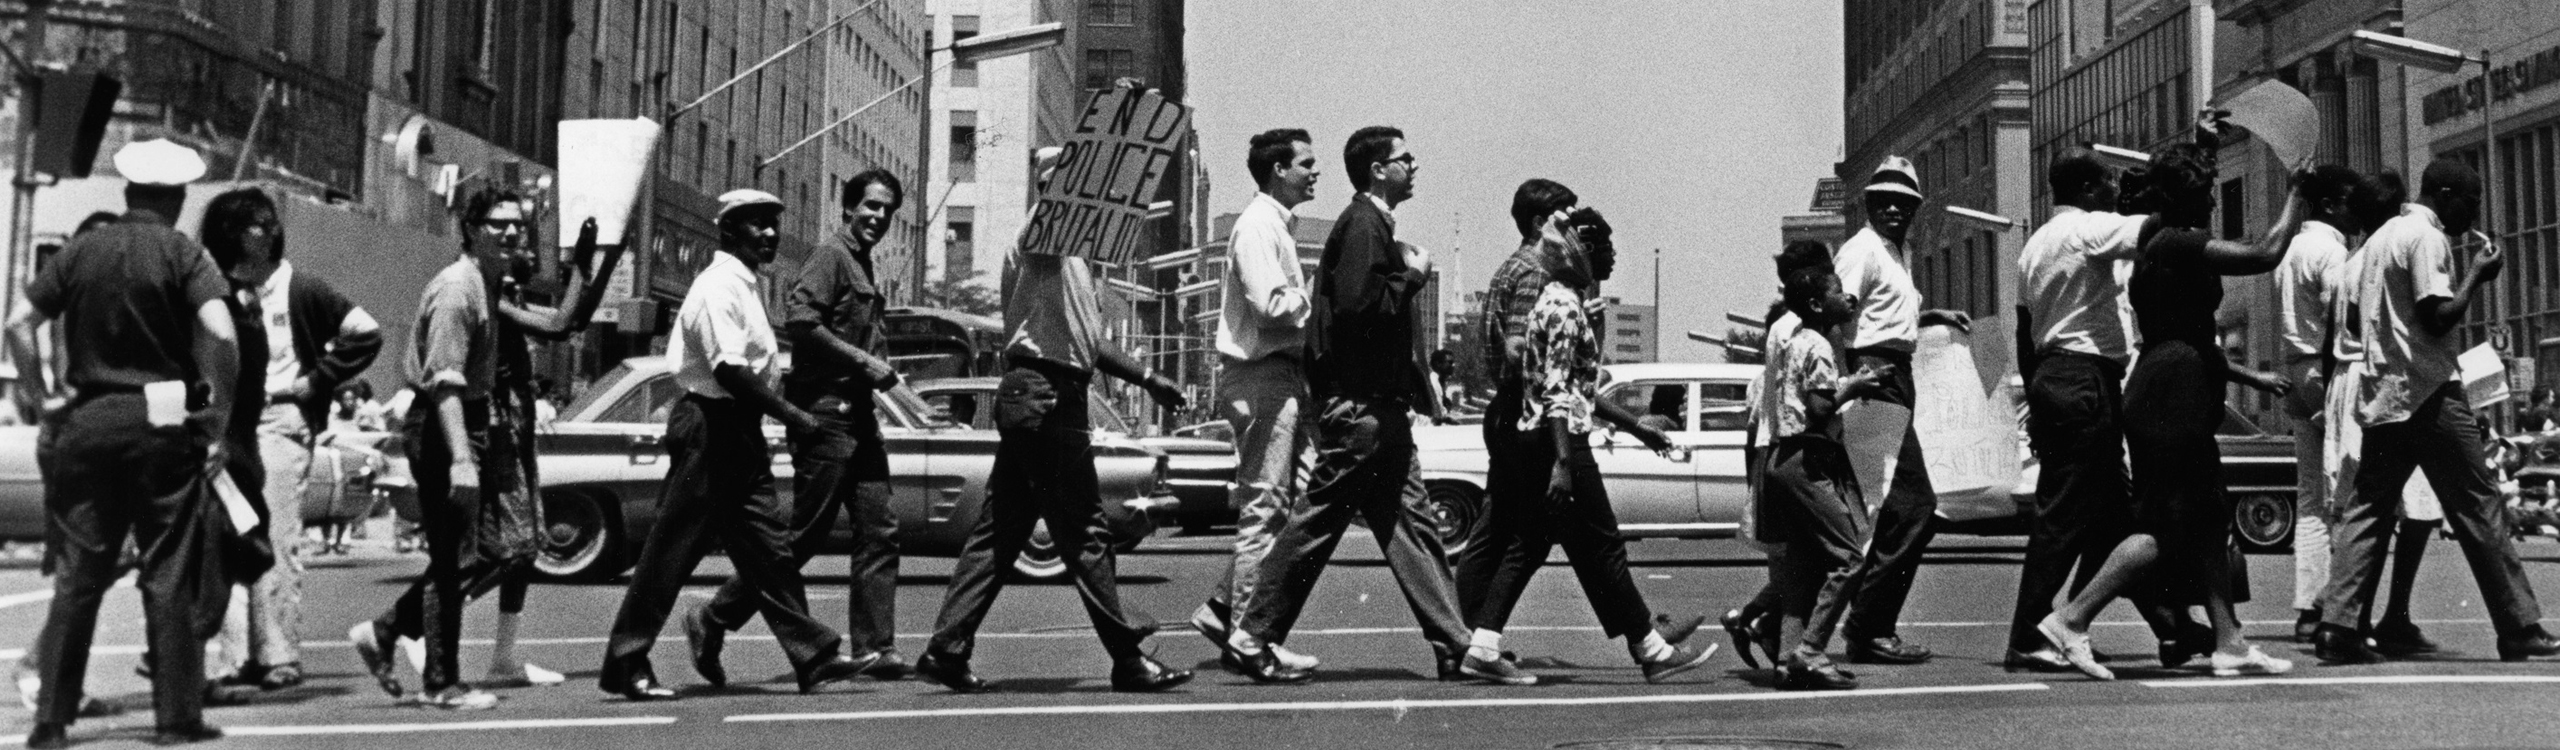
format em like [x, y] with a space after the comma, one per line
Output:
[1692, 124]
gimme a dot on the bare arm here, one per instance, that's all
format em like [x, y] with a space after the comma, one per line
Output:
[32, 389]
[2230, 258]
[2441, 314]
[752, 390]
[817, 340]
[447, 401]
[1115, 363]
[558, 323]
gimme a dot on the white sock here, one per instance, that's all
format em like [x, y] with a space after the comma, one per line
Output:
[502, 657]
[1242, 642]
[1486, 645]
[1649, 648]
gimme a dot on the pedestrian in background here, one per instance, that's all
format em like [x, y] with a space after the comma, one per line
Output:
[1262, 388]
[719, 483]
[1813, 496]
[833, 312]
[152, 363]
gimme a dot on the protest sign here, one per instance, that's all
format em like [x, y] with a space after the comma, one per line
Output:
[1968, 427]
[601, 165]
[1094, 204]
[2280, 116]
[2484, 376]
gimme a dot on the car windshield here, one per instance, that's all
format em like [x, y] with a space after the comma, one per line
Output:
[602, 385]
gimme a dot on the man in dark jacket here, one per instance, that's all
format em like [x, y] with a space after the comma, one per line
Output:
[1366, 382]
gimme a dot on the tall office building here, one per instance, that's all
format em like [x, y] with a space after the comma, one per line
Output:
[987, 120]
[877, 59]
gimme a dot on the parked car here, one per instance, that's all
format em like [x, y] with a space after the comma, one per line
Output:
[602, 467]
[1197, 471]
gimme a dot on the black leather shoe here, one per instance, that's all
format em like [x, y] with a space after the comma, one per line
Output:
[1261, 665]
[49, 736]
[185, 735]
[1888, 650]
[635, 682]
[1675, 632]
[2044, 660]
[705, 639]
[951, 673]
[2531, 643]
[890, 666]
[1745, 638]
[1824, 677]
[835, 670]
[2337, 645]
[1144, 675]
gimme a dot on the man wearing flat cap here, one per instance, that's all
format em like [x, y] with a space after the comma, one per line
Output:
[152, 365]
[719, 471]
[1882, 337]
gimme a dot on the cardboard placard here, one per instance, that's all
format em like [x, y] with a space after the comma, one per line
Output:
[1872, 431]
[1115, 161]
[2280, 116]
[1968, 428]
[602, 163]
[2484, 376]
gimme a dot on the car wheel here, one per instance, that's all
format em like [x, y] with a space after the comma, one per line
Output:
[581, 537]
[1040, 559]
[1455, 510]
[2263, 521]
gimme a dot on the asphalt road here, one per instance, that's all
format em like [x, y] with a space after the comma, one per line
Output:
[1375, 689]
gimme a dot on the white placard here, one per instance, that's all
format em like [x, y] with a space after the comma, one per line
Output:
[2281, 117]
[602, 163]
[1968, 432]
[2484, 377]
[244, 517]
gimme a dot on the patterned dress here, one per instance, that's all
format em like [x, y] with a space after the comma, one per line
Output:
[1561, 375]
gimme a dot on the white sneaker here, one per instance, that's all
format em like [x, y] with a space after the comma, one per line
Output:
[1293, 660]
[460, 699]
[2255, 662]
[524, 673]
[2073, 645]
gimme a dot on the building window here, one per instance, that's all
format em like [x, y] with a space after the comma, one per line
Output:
[959, 244]
[964, 74]
[964, 146]
[1102, 66]
[1110, 12]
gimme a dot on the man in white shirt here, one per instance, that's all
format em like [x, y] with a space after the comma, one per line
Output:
[2307, 288]
[720, 472]
[2416, 416]
[1262, 383]
[1882, 337]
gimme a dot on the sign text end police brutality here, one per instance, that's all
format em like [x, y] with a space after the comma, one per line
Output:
[1109, 170]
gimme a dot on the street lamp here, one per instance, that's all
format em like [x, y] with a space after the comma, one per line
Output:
[2412, 53]
[974, 49]
[1982, 219]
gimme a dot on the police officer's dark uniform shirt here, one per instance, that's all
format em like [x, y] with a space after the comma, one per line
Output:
[835, 291]
[127, 295]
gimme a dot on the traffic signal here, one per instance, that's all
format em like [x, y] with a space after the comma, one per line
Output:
[72, 110]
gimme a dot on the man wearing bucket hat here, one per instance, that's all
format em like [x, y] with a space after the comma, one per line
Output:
[1882, 338]
[720, 474]
[152, 364]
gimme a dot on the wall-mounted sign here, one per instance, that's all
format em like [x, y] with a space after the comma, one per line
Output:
[2504, 82]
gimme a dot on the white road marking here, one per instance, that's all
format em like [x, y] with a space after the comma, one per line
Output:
[1396, 705]
[2406, 679]
[46, 594]
[457, 726]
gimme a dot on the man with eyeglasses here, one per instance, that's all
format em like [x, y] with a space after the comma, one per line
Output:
[1366, 382]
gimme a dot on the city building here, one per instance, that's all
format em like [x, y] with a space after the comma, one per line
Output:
[987, 120]
[1945, 84]
[877, 59]
[1632, 333]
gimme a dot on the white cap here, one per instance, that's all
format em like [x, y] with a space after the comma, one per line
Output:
[159, 161]
[1895, 175]
[736, 200]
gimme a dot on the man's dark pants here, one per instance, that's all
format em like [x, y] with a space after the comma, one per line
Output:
[2075, 423]
[1043, 470]
[1525, 524]
[842, 465]
[108, 473]
[1814, 503]
[1904, 525]
[2443, 437]
[1366, 466]
[431, 609]
[719, 487]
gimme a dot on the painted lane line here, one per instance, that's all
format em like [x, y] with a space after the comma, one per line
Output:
[1397, 705]
[46, 594]
[2411, 679]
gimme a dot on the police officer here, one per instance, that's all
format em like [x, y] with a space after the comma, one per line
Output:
[145, 327]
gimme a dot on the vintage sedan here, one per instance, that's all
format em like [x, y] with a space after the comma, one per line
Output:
[602, 465]
[1198, 469]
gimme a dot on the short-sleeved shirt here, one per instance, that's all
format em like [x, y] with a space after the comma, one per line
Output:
[1051, 311]
[127, 294]
[2407, 261]
[1517, 283]
[1764, 404]
[2070, 281]
[2346, 282]
[1888, 303]
[2307, 283]
[1562, 374]
[722, 322]
[455, 341]
[835, 291]
[1804, 363]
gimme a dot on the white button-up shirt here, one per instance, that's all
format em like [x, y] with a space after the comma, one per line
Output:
[1265, 307]
[1888, 303]
[2308, 281]
[722, 322]
[2068, 279]
[2407, 261]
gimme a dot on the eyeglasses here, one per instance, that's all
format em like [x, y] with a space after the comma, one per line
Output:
[1406, 160]
[503, 226]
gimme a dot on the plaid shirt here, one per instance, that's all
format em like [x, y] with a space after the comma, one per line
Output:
[1504, 313]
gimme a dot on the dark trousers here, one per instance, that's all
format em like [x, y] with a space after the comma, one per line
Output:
[1816, 505]
[1043, 470]
[841, 466]
[431, 609]
[1365, 466]
[2441, 436]
[1904, 525]
[2075, 413]
[109, 473]
[719, 488]
[1527, 524]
